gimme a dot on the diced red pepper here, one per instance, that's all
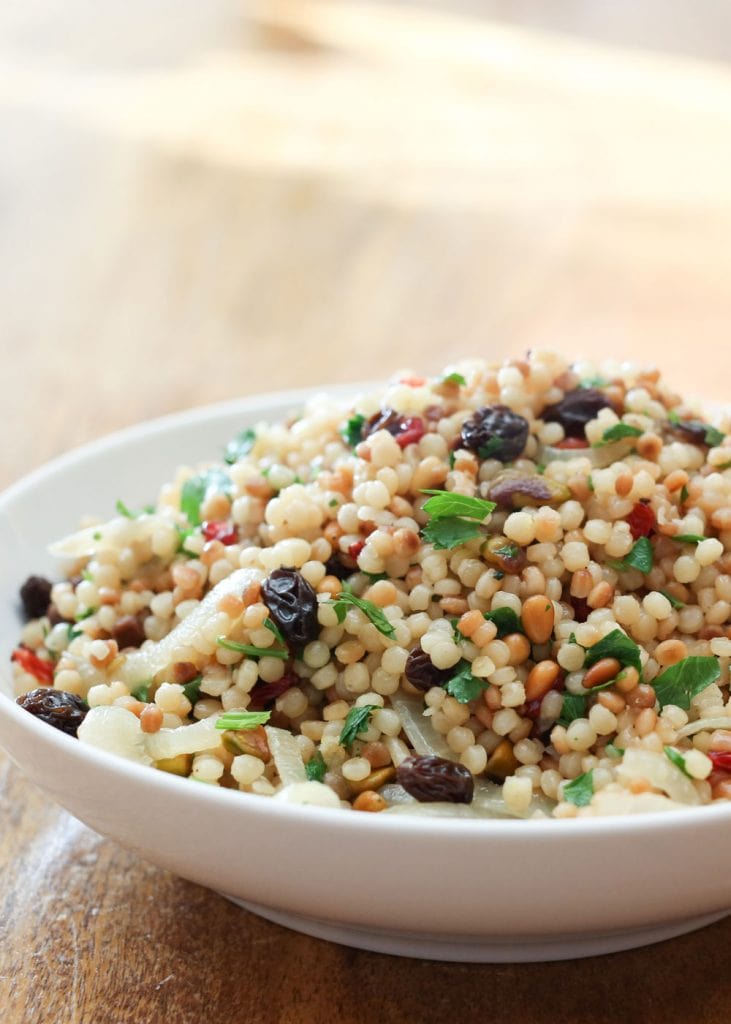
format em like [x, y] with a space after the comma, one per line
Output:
[411, 430]
[355, 549]
[222, 531]
[33, 665]
[265, 693]
[572, 442]
[721, 759]
[641, 521]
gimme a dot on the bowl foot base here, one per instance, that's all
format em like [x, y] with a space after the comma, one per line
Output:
[479, 949]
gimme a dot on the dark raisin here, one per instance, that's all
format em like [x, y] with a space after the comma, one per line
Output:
[576, 409]
[691, 430]
[405, 429]
[128, 632]
[35, 595]
[422, 673]
[55, 617]
[335, 567]
[64, 711]
[431, 779]
[292, 604]
[495, 432]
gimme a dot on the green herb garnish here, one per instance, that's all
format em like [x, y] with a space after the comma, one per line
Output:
[454, 518]
[445, 534]
[678, 760]
[271, 625]
[618, 432]
[372, 611]
[193, 688]
[315, 768]
[142, 692]
[683, 681]
[580, 790]
[611, 751]
[239, 446]
[198, 488]
[593, 382]
[250, 651]
[86, 614]
[353, 429]
[639, 557]
[454, 378]
[506, 621]
[183, 534]
[574, 706]
[683, 494]
[674, 601]
[356, 721]
[123, 510]
[463, 686]
[615, 645]
[713, 437]
[494, 445]
[239, 721]
[688, 538]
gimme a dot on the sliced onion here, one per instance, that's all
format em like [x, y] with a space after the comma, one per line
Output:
[117, 731]
[713, 722]
[113, 535]
[287, 756]
[314, 794]
[186, 739]
[421, 734]
[154, 657]
[660, 772]
[600, 458]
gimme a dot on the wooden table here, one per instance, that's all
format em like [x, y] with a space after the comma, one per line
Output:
[202, 201]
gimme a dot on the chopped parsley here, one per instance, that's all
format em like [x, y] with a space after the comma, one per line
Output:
[454, 378]
[580, 790]
[315, 768]
[674, 601]
[372, 611]
[688, 538]
[454, 518]
[197, 489]
[593, 382]
[574, 706]
[192, 689]
[241, 720]
[639, 557]
[142, 692]
[463, 686]
[486, 451]
[683, 681]
[683, 494]
[615, 645]
[271, 625]
[678, 760]
[611, 751]
[353, 430]
[506, 621]
[239, 446]
[618, 432]
[250, 651]
[356, 721]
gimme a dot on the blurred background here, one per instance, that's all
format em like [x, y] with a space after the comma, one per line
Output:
[206, 200]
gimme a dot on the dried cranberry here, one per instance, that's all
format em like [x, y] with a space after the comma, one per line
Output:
[355, 549]
[581, 608]
[266, 693]
[35, 595]
[495, 432]
[292, 604]
[576, 409]
[37, 667]
[641, 521]
[431, 779]
[64, 711]
[128, 632]
[222, 531]
[571, 443]
[405, 429]
[422, 673]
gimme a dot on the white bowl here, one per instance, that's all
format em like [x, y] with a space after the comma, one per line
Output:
[453, 890]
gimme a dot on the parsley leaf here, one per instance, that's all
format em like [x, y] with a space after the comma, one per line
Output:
[506, 621]
[580, 790]
[674, 601]
[617, 433]
[678, 760]
[197, 489]
[240, 720]
[615, 645]
[489, 449]
[463, 686]
[353, 429]
[192, 689]
[684, 680]
[445, 504]
[315, 768]
[445, 534]
[639, 557]
[356, 721]
[683, 494]
[688, 538]
[611, 751]
[371, 610]
[250, 651]
[574, 706]
[239, 446]
[274, 628]
[142, 692]
[454, 378]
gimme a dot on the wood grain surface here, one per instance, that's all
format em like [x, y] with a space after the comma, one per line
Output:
[200, 201]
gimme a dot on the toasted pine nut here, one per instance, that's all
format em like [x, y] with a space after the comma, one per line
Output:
[453, 605]
[581, 583]
[676, 480]
[519, 648]
[627, 680]
[649, 446]
[670, 651]
[600, 673]
[613, 702]
[151, 718]
[540, 679]
[645, 722]
[600, 595]
[369, 800]
[643, 696]
[538, 618]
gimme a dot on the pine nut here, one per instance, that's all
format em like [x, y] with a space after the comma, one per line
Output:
[669, 652]
[600, 673]
[369, 801]
[613, 702]
[541, 679]
[600, 595]
[538, 618]
[627, 680]
[643, 696]
[518, 646]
